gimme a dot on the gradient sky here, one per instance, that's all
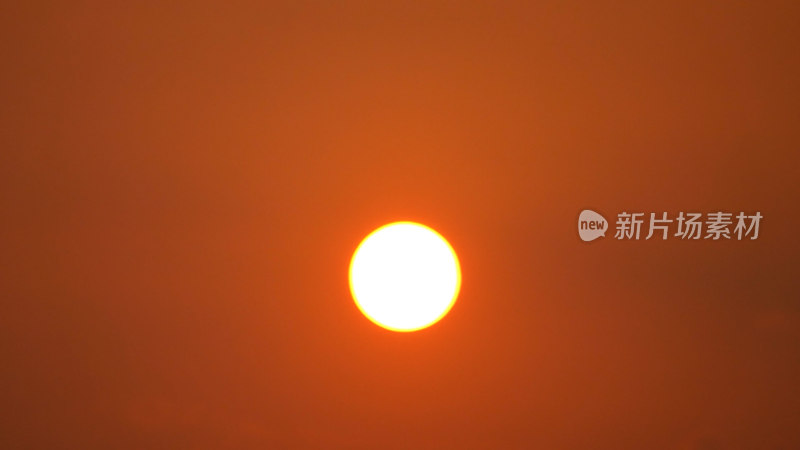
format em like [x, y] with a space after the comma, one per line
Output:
[183, 184]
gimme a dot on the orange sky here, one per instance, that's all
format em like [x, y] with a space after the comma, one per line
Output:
[183, 185]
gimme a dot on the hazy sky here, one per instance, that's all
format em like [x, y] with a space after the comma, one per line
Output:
[183, 184]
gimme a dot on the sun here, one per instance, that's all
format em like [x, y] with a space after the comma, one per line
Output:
[404, 276]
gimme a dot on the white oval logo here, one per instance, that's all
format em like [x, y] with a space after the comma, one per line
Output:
[591, 225]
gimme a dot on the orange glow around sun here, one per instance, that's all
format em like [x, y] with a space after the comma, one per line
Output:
[404, 276]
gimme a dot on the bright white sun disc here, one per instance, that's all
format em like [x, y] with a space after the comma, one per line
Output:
[404, 276]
